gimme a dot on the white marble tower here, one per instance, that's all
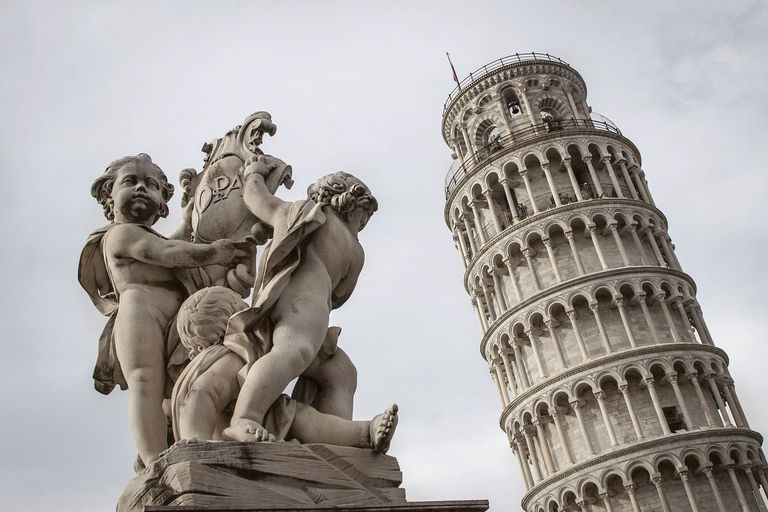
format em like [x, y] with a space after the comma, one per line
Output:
[614, 396]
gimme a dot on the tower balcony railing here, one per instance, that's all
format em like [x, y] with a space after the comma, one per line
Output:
[523, 135]
[498, 64]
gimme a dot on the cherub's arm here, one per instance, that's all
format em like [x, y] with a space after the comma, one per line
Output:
[132, 241]
[256, 195]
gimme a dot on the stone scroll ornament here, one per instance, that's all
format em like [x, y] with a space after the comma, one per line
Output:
[213, 199]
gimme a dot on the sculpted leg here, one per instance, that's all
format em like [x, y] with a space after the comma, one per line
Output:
[333, 386]
[297, 337]
[139, 345]
[311, 426]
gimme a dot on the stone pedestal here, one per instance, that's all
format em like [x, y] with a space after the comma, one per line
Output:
[231, 476]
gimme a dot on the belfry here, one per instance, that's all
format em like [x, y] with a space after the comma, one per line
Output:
[614, 395]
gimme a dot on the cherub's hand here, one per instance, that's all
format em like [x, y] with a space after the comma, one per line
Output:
[259, 165]
[231, 251]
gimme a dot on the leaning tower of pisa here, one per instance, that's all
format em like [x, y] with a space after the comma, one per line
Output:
[613, 393]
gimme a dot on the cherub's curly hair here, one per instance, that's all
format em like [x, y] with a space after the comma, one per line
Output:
[202, 319]
[102, 187]
[344, 193]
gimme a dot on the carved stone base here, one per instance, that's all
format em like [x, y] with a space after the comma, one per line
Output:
[218, 476]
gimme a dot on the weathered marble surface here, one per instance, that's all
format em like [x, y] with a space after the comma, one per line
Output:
[232, 474]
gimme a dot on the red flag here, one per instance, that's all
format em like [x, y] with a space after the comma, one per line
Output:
[455, 78]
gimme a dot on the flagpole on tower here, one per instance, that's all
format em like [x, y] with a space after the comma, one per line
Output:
[455, 78]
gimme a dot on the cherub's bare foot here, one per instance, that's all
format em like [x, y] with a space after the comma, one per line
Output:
[247, 431]
[382, 429]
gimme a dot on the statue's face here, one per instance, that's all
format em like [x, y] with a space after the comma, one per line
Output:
[137, 193]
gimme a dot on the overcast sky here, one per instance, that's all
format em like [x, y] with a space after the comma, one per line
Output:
[355, 86]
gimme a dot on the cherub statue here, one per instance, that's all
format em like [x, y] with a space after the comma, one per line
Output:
[131, 273]
[310, 267]
[202, 399]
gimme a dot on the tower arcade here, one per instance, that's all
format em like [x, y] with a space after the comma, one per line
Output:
[614, 396]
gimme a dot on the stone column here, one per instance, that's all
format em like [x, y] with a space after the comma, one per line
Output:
[737, 487]
[606, 418]
[656, 479]
[572, 178]
[670, 248]
[577, 333]
[488, 301]
[534, 339]
[720, 405]
[603, 335]
[737, 418]
[459, 237]
[551, 183]
[681, 402]
[532, 453]
[761, 475]
[576, 404]
[494, 213]
[593, 175]
[648, 318]
[524, 175]
[575, 252]
[529, 482]
[480, 316]
[505, 184]
[703, 336]
[613, 226]
[523, 468]
[661, 298]
[552, 260]
[628, 180]
[557, 418]
[612, 175]
[513, 279]
[556, 342]
[693, 377]
[534, 277]
[476, 214]
[684, 317]
[528, 109]
[498, 379]
[747, 467]
[466, 220]
[467, 141]
[731, 393]
[540, 451]
[704, 324]
[624, 388]
[550, 462]
[715, 490]
[644, 182]
[649, 234]
[510, 373]
[633, 499]
[625, 321]
[498, 289]
[634, 170]
[571, 103]
[688, 490]
[657, 405]
[638, 244]
[593, 234]
[521, 364]
[606, 501]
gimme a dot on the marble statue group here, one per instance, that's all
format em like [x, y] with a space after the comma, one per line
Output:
[199, 362]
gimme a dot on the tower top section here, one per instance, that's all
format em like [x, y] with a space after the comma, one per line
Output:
[511, 103]
[511, 70]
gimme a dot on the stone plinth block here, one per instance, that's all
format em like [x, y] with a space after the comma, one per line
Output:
[283, 476]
